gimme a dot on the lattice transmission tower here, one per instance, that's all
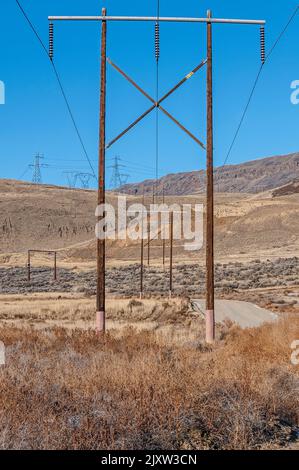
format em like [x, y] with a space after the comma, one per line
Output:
[118, 178]
[37, 166]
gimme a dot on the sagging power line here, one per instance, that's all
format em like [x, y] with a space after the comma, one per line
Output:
[264, 58]
[50, 55]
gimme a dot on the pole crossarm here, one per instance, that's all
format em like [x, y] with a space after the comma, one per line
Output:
[156, 104]
[155, 18]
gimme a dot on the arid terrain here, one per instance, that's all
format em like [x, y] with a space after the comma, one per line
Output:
[251, 177]
[151, 382]
[71, 389]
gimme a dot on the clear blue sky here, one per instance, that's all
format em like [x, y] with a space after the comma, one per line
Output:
[34, 118]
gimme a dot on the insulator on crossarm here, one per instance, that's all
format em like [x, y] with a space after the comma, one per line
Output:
[51, 41]
[263, 47]
[157, 41]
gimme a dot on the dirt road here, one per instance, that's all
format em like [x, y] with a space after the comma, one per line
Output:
[245, 314]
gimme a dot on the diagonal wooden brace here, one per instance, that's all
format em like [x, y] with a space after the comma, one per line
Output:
[181, 127]
[131, 126]
[156, 104]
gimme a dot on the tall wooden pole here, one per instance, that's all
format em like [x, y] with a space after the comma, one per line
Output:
[100, 316]
[55, 266]
[148, 238]
[163, 236]
[210, 308]
[171, 254]
[29, 267]
[149, 230]
[142, 251]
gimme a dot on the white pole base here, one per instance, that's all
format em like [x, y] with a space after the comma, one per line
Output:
[210, 326]
[100, 322]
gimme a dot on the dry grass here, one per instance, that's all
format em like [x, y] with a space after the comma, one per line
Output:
[72, 307]
[170, 318]
[70, 389]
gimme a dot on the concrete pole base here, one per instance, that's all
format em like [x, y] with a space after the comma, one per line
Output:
[210, 326]
[100, 322]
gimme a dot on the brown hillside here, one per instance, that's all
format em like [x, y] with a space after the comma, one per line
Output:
[251, 177]
[48, 217]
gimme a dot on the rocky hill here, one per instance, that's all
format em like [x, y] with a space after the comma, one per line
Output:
[251, 177]
[288, 189]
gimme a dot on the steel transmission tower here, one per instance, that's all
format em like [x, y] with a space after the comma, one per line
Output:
[84, 179]
[118, 178]
[37, 166]
[71, 178]
[74, 176]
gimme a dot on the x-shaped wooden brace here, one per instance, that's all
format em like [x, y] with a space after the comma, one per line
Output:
[156, 104]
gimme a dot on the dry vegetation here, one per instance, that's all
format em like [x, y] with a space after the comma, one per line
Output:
[151, 383]
[188, 279]
[71, 389]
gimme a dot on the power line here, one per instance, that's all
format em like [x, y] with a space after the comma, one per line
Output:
[24, 173]
[243, 115]
[32, 27]
[60, 85]
[282, 32]
[280, 36]
[72, 118]
[141, 166]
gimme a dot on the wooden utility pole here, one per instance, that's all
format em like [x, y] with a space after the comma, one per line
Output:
[163, 237]
[48, 252]
[55, 266]
[142, 250]
[210, 309]
[171, 254]
[29, 267]
[100, 315]
[149, 230]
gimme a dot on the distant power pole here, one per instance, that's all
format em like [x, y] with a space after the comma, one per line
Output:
[118, 178]
[37, 166]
